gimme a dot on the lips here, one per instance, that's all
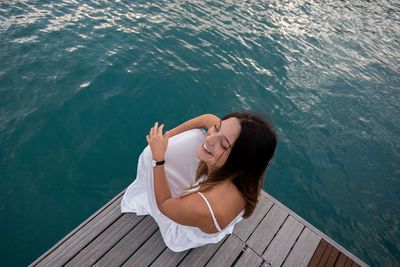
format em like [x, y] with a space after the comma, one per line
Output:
[205, 148]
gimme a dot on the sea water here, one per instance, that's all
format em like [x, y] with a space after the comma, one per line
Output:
[82, 82]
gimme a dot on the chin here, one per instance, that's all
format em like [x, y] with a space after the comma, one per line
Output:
[198, 153]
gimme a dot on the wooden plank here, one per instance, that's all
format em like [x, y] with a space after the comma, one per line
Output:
[228, 252]
[169, 258]
[129, 244]
[244, 228]
[83, 236]
[283, 242]
[341, 260]
[200, 256]
[319, 252]
[325, 256]
[328, 257]
[104, 242]
[348, 263]
[267, 229]
[303, 250]
[249, 258]
[332, 257]
[148, 252]
[315, 230]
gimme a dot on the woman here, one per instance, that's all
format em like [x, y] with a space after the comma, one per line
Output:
[198, 185]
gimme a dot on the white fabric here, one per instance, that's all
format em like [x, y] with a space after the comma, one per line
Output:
[211, 211]
[180, 168]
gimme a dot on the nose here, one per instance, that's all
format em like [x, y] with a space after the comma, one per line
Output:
[211, 138]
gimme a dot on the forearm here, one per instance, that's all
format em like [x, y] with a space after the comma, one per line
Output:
[161, 187]
[203, 121]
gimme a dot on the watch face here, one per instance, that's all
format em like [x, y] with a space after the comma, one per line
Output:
[153, 163]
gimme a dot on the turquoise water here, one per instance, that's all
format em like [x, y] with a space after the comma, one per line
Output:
[82, 82]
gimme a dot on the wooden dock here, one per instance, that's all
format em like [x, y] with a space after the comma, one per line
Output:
[272, 236]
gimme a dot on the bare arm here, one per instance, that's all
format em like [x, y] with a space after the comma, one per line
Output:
[187, 210]
[203, 121]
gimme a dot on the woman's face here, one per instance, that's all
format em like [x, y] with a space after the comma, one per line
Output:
[217, 145]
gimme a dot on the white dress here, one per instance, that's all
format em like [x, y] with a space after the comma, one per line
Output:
[180, 167]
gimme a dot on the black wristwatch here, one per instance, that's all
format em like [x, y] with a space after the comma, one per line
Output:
[156, 163]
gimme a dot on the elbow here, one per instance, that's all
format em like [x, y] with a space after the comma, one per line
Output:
[162, 206]
[210, 116]
[209, 120]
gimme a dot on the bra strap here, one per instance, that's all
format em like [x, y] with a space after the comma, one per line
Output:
[211, 211]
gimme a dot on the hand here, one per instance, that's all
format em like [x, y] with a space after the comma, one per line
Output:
[157, 141]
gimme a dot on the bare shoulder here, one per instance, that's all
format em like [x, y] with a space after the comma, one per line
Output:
[226, 202]
[188, 210]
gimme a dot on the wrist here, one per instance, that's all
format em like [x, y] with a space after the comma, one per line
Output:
[157, 163]
[158, 158]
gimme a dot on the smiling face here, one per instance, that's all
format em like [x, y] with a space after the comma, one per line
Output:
[217, 145]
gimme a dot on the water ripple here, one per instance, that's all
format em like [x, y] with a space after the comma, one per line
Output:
[326, 71]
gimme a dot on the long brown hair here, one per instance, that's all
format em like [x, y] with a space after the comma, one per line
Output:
[248, 160]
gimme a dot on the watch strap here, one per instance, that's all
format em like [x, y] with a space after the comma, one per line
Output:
[160, 162]
[157, 163]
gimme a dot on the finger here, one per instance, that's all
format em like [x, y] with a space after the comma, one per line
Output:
[159, 131]
[153, 130]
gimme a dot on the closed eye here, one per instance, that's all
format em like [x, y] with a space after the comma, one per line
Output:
[217, 130]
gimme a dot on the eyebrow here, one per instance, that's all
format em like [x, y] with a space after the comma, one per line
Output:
[220, 125]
